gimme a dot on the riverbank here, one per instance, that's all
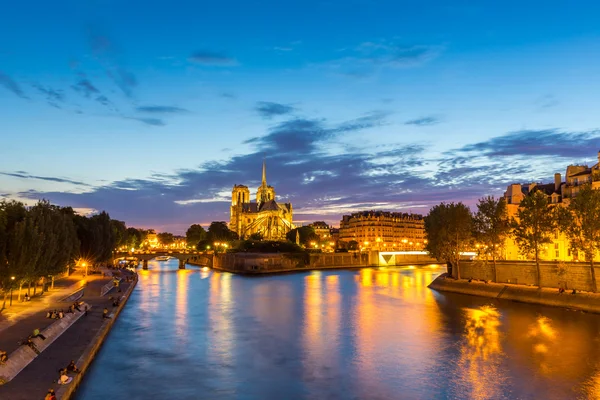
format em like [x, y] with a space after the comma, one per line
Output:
[86, 359]
[41, 372]
[583, 301]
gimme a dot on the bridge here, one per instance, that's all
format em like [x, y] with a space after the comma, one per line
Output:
[184, 256]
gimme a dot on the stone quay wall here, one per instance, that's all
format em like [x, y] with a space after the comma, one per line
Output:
[256, 263]
[569, 275]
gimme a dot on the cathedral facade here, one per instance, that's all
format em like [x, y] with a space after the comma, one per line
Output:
[265, 216]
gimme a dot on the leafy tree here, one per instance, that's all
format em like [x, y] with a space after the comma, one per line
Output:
[491, 226]
[449, 232]
[533, 227]
[580, 222]
[307, 235]
[134, 238]
[165, 238]
[195, 234]
[353, 245]
[119, 231]
[96, 236]
[218, 231]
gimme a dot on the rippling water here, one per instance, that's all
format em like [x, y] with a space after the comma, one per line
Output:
[375, 333]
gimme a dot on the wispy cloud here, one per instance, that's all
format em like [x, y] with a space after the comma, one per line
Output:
[369, 57]
[53, 96]
[85, 88]
[267, 109]
[424, 121]
[161, 110]
[25, 175]
[206, 57]
[148, 121]
[111, 59]
[548, 142]
[12, 86]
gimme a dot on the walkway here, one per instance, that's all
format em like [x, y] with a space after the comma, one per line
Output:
[35, 380]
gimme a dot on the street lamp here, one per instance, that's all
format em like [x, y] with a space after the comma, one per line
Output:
[84, 265]
[12, 278]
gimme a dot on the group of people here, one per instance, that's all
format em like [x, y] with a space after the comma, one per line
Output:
[61, 314]
[63, 379]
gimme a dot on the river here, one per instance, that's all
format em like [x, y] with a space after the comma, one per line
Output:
[376, 333]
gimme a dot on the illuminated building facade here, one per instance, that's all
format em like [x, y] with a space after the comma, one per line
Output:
[559, 194]
[322, 230]
[266, 217]
[384, 230]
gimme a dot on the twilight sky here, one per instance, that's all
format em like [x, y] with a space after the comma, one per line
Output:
[153, 110]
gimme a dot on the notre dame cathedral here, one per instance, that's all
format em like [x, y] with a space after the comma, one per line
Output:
[266, 217]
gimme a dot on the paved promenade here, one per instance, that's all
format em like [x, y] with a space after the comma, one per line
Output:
[35, 380]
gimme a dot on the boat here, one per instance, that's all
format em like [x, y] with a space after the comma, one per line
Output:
[162, 258]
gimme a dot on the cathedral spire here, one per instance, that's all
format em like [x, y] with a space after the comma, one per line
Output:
[264, 173]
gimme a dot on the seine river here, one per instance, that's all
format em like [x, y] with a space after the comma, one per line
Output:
[359, 334]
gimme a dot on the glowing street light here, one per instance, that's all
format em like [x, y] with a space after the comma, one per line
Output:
[12, 278]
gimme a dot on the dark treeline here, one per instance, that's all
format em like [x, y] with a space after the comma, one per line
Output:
[44, 240]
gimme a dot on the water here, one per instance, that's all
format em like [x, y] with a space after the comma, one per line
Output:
[360, 334]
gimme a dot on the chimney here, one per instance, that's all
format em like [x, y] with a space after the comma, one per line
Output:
[557, 182]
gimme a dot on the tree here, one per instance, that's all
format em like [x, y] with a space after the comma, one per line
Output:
[533, 227]
[307, 234]
[134, 238]
[165, 238]
[119, 231]
[580, 222]
[449, 232]
[218, 231]
[195, 234]
[491, 226]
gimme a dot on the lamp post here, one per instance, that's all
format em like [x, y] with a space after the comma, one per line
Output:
[86, 269]
[12, 278]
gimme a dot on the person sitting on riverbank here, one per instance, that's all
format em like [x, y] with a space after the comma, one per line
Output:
[61, 314]
[36, 333]
[105, 313]
[76, 306]
[49, 314]
[561, 290]
[3, 357]
[574, 291]
[72, 367]
[26, 298]
[50, 395]
[64, 378]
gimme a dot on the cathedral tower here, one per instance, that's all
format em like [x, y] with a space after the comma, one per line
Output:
[240, 195]
[265, 192]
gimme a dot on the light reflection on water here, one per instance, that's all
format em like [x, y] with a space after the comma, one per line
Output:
[357, 334]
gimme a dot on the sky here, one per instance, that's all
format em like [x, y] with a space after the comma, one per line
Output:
[152, 111]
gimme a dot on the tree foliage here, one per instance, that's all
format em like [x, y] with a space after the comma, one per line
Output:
[218, 231]
[449, 232]
[580, 222]
[165, 238]
[307, 235]
[195, 234]
[534, 226]
[491, 226]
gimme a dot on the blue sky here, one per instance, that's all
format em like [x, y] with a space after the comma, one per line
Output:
[154, 110]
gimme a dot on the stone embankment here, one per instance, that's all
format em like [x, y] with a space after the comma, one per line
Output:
[584, 301]
[29, 372]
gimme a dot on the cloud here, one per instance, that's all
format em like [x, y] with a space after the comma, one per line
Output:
[424, 121]
[269, 110]
[229, 95]
[206, 57]
[111, 59]
[301, 136]
[370, 57]
[149, 121]
[53, 96]
[12, 86]
[25, 175]
[161, 110]
[548, 142]
[86, 88]
[547, 101]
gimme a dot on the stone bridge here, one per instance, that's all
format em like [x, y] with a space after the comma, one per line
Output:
[184, 256]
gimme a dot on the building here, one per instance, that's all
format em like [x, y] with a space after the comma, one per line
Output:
[559, 193]
[322, 230]
[384, 230]
[265, 217]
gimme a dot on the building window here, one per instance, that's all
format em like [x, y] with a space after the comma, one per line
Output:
[557, 254]
[555, 246]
